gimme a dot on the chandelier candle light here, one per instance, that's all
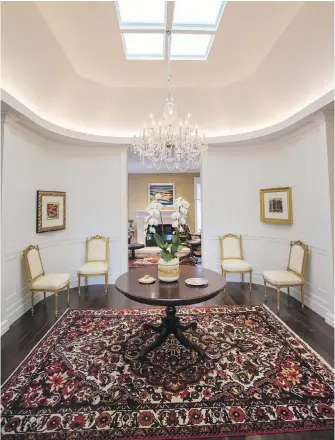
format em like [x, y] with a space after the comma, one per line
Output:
[173, 141]
[168, 264]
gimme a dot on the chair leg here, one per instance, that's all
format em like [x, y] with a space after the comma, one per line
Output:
[302, 296]
[44, 295]
[250, 280]
[265, 290]
[225, 278]
[106, 283]
[79, 285]
[278, 298]
[288, 291]
[242, 279]
[56, 304]
[32, 303]
[68, 295]
[86, 285]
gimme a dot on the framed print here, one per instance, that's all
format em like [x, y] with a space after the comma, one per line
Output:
[276, 205]
[51, 211]
[167, 191]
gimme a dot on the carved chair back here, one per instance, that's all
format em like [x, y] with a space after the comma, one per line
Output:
[297, 258]
[231, 247]
[97, 249]
[33, 262]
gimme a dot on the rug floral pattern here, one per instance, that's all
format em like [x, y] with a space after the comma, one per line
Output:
[84, 379]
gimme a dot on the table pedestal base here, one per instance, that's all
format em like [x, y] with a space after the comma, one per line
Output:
[171, 325]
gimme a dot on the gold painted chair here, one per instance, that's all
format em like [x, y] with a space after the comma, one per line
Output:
[96, 260]
[40, 282]
[292, 276]
[232, 257]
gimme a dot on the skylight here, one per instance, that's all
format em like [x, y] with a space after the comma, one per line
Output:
[190, 46]
[144, 14]
[143, 46]
[143, 25]
[197, 14]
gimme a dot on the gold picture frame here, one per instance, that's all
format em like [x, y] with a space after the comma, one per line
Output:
[276, 205]
[50, 211]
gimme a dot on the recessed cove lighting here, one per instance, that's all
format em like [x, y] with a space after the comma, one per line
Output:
[197, 14]
[143, 46]
[144, 14]
[190, 46]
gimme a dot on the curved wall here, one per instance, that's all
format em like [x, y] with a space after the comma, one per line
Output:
[232, 177]
[95, 182]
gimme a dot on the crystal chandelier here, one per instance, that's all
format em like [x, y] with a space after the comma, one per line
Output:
[173, 141]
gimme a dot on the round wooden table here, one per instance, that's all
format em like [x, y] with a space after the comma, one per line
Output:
[170, 295]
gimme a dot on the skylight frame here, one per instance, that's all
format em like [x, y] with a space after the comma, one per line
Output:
[202, 57]
[144, 56]
[199, 26]
[145, 26]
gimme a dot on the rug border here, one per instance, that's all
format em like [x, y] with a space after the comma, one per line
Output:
[299, 338]
[35, 346]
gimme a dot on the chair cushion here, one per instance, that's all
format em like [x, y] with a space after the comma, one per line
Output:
[235, 265]
[53, 281]
[93, 268]
[281, 277]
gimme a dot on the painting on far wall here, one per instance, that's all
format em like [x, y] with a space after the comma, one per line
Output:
[167, 191]
[276, 205]
[51, 211]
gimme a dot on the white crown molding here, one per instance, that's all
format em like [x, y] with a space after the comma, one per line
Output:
[66, 136]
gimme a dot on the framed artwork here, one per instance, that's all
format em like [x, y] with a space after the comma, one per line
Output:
[51, 211]
[276, 205]
[167, 191]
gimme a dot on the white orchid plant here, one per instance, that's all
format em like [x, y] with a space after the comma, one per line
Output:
[181, 206]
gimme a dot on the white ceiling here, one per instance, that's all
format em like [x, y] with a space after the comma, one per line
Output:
[65, 61]
[90, 37]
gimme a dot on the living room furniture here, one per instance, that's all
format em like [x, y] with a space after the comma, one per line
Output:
[293, 275]
[232, 257]
[170, 295]
[96, 260]
[40, 282]
[133, 247]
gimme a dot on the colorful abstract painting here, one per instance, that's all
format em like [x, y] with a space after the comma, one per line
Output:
[166, 190]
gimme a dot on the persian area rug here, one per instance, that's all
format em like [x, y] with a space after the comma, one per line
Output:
[152, 260]
[84, 379]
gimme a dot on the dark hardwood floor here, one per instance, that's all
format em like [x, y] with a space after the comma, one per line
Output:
[25, 333]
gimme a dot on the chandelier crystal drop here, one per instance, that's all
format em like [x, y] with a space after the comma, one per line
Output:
[172, 140]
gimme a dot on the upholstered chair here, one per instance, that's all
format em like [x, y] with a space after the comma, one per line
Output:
[96, 260]
[232, 257]
[293, 275]
[40, 282]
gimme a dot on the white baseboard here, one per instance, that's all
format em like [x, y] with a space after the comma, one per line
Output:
[20, 309]
[330, 319]
[4, 326]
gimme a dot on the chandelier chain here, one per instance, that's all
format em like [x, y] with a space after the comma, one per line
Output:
[169, 78]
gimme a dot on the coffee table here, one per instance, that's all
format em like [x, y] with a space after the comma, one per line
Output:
[170, 295]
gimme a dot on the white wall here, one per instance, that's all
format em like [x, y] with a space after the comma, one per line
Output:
[95, 182]
[232, 177]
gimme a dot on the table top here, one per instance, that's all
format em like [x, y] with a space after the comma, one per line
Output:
[135, 246]
[170, 294]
